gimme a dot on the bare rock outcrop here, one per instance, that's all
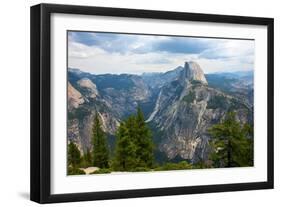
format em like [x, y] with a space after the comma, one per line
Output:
[74, 97]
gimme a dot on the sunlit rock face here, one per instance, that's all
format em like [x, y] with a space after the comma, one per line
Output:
[192, 71]
[74, 97]
[89, 86]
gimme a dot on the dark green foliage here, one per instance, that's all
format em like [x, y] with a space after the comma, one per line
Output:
[125, 151]
[134, 147]
[87, 159]
[160, 157]
[232, 143]
[196, 82]
[218, 101]
[73, 155]
[102, 171]
[100, 146]
[74, 160]
[88, 156]
[183, 165]
[111, 140]
[201, 164]
[141, 169]
[189, 98]
[143, 141]
[75, 171]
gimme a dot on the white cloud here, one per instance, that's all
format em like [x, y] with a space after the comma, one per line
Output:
[230, 49]
[221, 56]
[78, 50]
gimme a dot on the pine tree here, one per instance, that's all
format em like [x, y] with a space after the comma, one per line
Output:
[100, 146]
[134, 146]
[73, 155]
[124, 159]
[87, 158]
[143, 141]
[232, 143]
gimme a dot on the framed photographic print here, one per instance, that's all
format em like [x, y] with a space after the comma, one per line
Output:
[133, 103]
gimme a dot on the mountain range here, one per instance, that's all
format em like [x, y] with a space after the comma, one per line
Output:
[179, 105]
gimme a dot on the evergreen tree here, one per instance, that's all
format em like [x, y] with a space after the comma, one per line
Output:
[232, 143]
[134, 146]
[87, 159]
[100, 146]
[73, 155]
[143, 141]
[125, 150]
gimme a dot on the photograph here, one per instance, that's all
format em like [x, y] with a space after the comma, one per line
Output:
[150, 102]
[133, 103]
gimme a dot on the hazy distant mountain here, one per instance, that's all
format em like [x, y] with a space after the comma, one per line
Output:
[239, 84]
[157, 80]
[179, 105]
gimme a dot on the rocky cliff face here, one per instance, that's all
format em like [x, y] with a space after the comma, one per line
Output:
[186, 108]
[180, 106]
[90, 89]
[112, 97]
[84, 101]
[74, 97]
[193, 72]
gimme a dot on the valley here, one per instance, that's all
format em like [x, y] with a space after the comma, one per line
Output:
[179, 106]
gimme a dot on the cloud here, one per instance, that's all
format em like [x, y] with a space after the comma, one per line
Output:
[90, 38]
[126, 43]
[130, 53]
[110, 42]
[181, 45]
[78, 50]
[153, 58]
[229, 49]
[95, 60]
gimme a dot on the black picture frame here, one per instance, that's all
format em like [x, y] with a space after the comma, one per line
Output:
[41, 102]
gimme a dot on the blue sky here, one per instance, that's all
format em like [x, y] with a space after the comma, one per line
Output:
[100, 53]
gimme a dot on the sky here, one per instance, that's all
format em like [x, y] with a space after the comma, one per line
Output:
[116, 53]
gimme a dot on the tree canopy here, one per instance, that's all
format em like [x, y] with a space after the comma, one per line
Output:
[134, 146]
[73, 160]
[100, 151]
[73, 155]
[232, 143]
